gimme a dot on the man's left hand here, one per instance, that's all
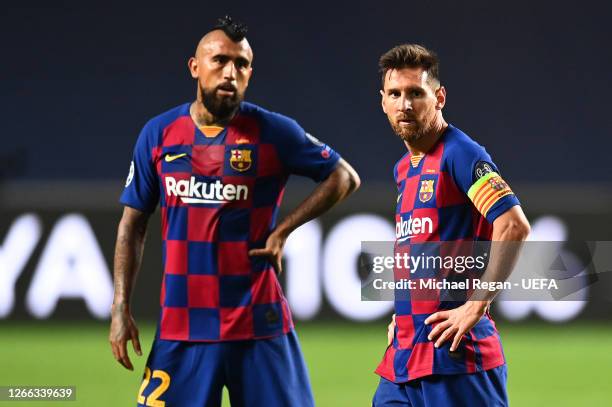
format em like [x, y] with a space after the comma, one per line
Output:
[455, 323]
[273, 250]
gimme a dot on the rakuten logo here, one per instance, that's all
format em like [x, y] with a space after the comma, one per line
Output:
[406, 229]
[192, 191]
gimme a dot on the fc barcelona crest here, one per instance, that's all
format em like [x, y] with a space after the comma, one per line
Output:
[240, 160]
[427, 190]
[497, 183]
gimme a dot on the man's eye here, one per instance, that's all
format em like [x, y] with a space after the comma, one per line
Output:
[394, 94]
[416, 93]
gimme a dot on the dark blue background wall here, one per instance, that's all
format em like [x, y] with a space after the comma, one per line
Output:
[529, 80]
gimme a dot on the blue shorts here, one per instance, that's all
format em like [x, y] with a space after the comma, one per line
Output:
[487, 389]
[263, 372]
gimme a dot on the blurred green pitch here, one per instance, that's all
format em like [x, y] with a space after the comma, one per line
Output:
[560, 365]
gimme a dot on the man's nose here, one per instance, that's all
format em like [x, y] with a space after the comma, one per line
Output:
[405, 104]
[229, 71]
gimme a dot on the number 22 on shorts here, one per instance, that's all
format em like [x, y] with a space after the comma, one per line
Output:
[153, 399]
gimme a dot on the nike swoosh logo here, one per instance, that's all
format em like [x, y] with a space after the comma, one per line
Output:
[170, 158]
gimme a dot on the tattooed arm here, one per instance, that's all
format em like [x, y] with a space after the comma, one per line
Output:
[128, 257]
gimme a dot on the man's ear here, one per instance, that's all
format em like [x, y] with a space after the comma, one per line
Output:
[440, 97]
[192, 64]
[382, 100]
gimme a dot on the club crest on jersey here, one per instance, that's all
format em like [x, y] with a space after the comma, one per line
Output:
[240, 160]
[427, 190]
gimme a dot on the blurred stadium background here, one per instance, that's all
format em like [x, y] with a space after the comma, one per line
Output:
[529, 81]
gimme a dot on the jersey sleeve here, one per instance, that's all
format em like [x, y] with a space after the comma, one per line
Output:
[142, 186]
[479, 178]
[303, 154]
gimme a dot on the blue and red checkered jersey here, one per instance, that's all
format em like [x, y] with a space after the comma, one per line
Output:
[219, 193]
[453, 193]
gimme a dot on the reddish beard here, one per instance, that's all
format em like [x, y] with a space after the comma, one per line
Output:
[406, 134]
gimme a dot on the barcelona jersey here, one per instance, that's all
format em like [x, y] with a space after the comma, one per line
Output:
[453, 193]
[219, 194]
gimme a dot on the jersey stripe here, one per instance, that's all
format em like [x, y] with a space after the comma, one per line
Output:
[416, 159]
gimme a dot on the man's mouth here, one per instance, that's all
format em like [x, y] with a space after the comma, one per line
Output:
[226, 90]
[406, 122]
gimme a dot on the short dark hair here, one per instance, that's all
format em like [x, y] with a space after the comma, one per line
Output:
[236, 31]
[409, 56]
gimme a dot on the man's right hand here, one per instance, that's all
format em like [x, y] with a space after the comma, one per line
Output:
[123, 328]
[391, 330]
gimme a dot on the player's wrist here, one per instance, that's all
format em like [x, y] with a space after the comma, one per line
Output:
[120, 307]
[477, 306]
[282, 233]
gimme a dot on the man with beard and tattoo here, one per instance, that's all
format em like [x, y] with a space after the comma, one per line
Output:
[443, 353]
[217, 167]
